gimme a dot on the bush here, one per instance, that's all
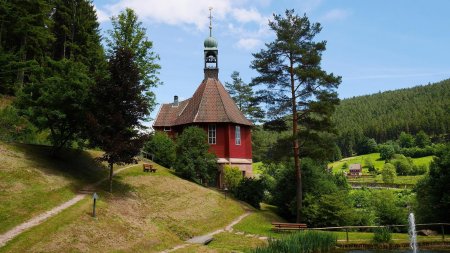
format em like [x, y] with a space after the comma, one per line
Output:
[382, 235]
[386, 151]
[194, 161]
[14, 127]
[232, 177]
[388, 173]
[162, 148]
[251, 191]
[304, 241]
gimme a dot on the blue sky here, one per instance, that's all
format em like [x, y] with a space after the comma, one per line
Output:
[374, 45]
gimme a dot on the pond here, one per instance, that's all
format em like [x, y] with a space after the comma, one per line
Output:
[394, 251]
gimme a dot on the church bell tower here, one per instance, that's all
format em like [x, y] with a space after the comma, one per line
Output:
[211, 53]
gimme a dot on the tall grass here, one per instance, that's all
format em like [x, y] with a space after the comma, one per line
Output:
[302, 242]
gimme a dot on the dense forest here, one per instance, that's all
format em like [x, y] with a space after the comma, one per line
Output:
[383, 116]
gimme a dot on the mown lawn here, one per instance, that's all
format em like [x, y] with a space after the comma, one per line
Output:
[31, 181]
[148, 212]
[378, 163]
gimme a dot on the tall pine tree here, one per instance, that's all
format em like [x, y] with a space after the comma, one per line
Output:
[290, 70]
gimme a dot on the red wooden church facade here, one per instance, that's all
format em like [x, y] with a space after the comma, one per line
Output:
[212, 108]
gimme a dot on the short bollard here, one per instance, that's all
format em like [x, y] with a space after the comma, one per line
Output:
[94, 197]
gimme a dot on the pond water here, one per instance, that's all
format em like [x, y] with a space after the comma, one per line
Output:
[395, 251]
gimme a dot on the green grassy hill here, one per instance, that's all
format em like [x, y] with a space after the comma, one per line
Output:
[148, 212]
[378, 163]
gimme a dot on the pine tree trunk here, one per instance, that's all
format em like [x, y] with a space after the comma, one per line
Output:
[298, 172]
[110, 176]
[23, 57]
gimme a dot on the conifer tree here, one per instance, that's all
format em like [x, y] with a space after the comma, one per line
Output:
[290, 70]
[244, 97]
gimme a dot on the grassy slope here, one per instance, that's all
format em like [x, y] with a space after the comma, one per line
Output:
[31, 182]
[375, 158]
[148, 212]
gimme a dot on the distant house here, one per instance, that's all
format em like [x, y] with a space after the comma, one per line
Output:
[355, 170]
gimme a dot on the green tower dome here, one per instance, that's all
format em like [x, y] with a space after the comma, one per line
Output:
[210, 42]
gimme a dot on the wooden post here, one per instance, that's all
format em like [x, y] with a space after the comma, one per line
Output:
[443, 234]
[346, 232]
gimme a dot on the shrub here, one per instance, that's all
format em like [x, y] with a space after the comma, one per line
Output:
[251, 191]
[304, 241]
[382, 235]
[194, 161]
[14, 127]
[386, 151]
[232, 177]
[163, 149]
[388, 173]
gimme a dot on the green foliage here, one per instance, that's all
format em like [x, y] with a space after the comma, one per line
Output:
[422, 139]
[433, 192]
[382, 235]
[244, 97]
[194, 161]
[333, 209]
[250, 190]
[388, 207]
[388, 173]
[383, 116]
[370, 166]
[24, 38]
[119, 107]
[405, 166]
[345, 166]
[59, 102]
[386, 151]
[317, 183]
[232, 176]
[405, 140]
[262, 141]
[128, 32]
[77, 35]
[14, 127]
[295, 84]
[162, 148]
[301, 242]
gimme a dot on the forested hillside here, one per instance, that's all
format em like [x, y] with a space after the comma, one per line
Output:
[383, 116]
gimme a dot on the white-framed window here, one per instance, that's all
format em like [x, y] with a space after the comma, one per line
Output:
[212, 134]
[237, 135]
[167, 129]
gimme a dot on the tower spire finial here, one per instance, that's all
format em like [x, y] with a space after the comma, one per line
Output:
[210, 22]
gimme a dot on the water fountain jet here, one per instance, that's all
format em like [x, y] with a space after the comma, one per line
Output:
[412, 233]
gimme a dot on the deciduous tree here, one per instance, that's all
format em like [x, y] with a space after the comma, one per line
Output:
[119, 108]
[194, 161]
[128, 32]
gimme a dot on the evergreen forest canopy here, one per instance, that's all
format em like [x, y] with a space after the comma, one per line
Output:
[383, 116]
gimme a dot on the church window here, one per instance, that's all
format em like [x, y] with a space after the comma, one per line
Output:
[237, 135]
[212, 134]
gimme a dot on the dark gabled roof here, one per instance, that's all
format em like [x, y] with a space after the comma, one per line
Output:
[210, 103]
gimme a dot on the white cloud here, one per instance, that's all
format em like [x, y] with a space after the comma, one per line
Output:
[245, 16]
[335, 15]
[174, 12]
[249, 43]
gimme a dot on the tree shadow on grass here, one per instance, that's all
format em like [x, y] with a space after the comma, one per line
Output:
[71, 163]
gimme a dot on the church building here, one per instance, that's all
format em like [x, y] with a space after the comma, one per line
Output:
[213, 109]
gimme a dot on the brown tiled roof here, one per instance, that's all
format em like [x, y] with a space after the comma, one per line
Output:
[168, 113]
[210, 103]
